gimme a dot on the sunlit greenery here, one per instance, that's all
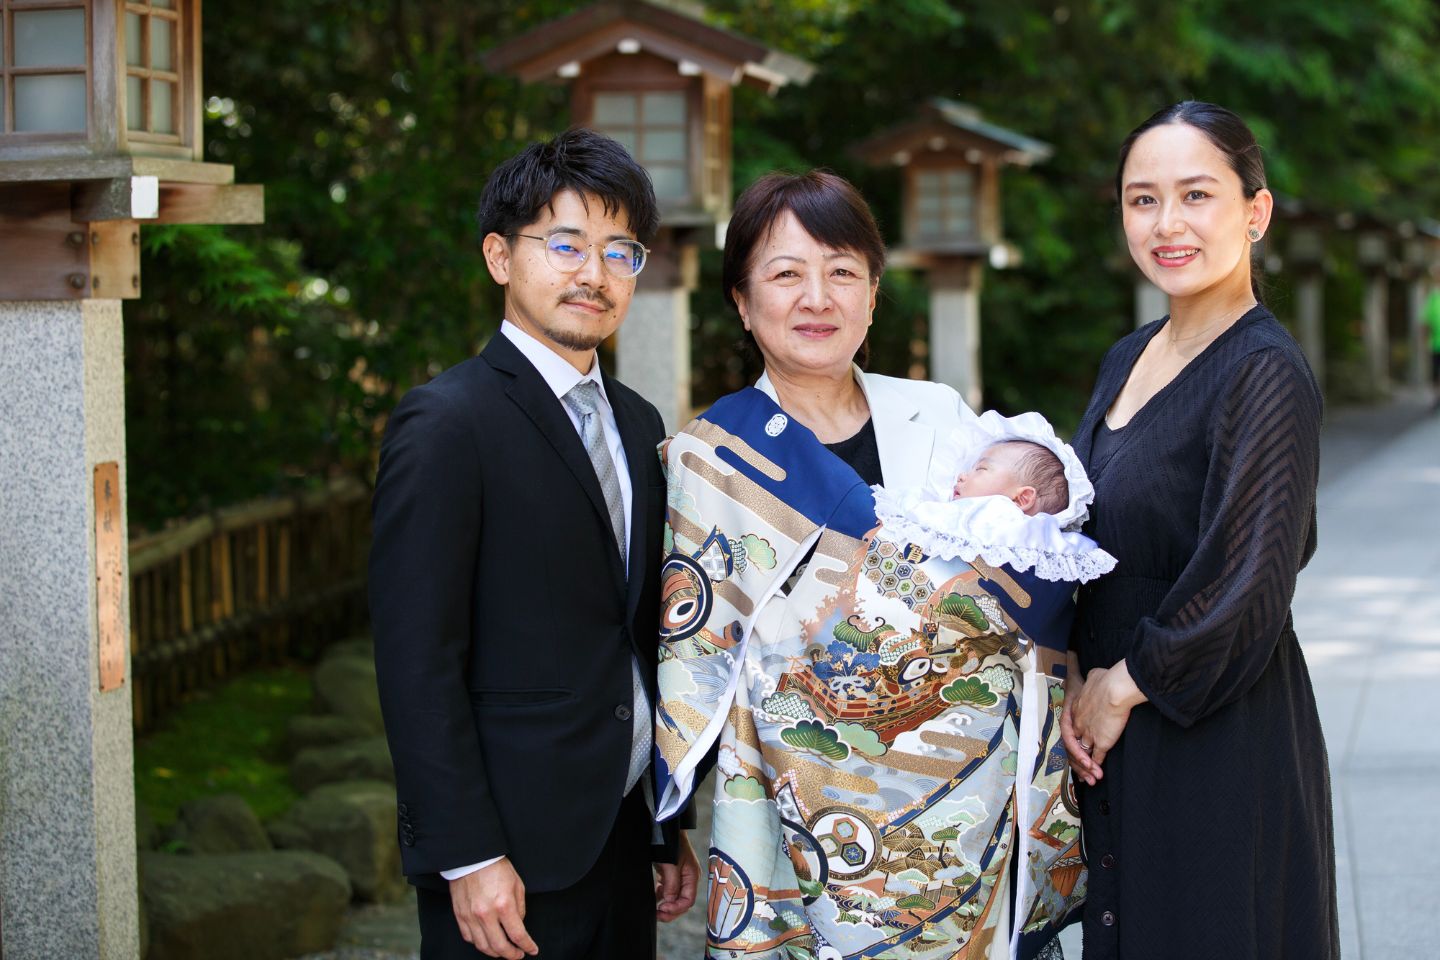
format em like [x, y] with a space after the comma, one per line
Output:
[262, 357]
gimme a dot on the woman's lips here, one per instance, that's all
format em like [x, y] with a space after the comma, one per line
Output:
[815, 330]
[1174, 256]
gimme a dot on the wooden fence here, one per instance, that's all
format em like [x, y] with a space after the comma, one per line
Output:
[248, 585]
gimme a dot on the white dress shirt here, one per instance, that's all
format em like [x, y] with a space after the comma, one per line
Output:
[561, 377]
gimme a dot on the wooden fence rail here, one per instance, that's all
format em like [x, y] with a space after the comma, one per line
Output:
[248, 585]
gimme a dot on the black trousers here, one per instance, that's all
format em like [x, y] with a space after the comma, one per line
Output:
[608, 915]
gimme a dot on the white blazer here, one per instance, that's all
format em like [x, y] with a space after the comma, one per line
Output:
[908, 416]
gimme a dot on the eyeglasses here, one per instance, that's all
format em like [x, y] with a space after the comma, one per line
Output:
[567, 253]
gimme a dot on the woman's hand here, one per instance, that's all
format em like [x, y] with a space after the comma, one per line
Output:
[1102, 710]
[1080, 762]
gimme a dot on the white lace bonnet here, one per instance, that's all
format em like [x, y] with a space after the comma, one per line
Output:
[993, 527]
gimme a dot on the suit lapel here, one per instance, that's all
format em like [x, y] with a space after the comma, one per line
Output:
[639, 451]
[534, 397]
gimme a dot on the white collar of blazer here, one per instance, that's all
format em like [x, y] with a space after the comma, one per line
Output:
[905, 443]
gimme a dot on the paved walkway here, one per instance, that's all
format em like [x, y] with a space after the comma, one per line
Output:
[1367, 610]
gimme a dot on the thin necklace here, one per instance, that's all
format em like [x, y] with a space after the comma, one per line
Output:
[1228, 318]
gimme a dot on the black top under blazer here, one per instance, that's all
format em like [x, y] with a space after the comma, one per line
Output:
[504, 622]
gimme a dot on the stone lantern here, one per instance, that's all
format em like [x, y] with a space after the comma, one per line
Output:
[1373, 251]
[950, 159]
[1305, 231]
[658, 79]
[100, 133]
[1421, 272]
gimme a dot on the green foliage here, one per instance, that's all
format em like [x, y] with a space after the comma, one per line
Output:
[915, 902]
[963, 608]
[968, 690]
[745, 788]
[262, 358]
[229, 740]
[814, 736]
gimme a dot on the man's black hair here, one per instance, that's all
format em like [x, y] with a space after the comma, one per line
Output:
[580, 160]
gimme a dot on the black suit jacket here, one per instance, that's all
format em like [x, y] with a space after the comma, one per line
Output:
[504, 622]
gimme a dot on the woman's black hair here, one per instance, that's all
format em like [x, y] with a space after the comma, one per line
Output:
[829, 208]
[1226, 131]
[580, 160]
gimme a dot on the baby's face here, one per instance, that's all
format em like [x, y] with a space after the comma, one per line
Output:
[993, 475]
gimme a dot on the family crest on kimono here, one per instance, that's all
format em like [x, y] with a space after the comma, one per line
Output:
[879, 675]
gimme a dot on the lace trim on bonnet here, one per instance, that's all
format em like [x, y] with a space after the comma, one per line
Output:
[993, 528]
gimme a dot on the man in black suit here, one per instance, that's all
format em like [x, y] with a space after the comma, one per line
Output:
[513, 587]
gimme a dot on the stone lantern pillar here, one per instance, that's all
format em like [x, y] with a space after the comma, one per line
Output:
[950, 158]
[1373, 252]
[657, 78]
[99, 134]
[1305, 257]
[1422, 260]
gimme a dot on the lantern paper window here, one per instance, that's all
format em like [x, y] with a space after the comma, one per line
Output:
[44, 68]
[152, 69]
[945, 203]
[653, 127]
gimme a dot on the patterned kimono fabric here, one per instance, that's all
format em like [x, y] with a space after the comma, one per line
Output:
[871, 721]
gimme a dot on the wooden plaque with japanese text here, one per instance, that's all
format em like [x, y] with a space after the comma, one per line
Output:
[110, 575]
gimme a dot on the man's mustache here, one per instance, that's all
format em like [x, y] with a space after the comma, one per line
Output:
[580, 294]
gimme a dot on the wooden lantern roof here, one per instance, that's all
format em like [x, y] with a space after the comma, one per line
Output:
[673, 31]
[950, 126]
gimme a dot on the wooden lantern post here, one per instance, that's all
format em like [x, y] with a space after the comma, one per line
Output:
[659, 79]
[100, 133]
[950, 159]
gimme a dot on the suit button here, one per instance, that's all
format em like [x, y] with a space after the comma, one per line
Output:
[622, 713]
[1105, 807]
[1107, 861]
[1108, 918]
[403, 809]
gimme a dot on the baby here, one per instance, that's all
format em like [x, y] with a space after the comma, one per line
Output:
[1026, 472]
[1005, 489]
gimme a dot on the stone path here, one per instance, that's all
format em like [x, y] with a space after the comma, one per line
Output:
[1367, 610]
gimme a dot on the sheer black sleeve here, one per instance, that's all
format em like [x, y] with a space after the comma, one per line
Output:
[1216, 630]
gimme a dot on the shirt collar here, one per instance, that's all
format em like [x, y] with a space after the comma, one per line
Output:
[554, 369]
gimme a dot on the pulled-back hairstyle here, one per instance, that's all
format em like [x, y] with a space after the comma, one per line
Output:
[580, 160]
[1225, 130]
[1039, 467]
[828, 206]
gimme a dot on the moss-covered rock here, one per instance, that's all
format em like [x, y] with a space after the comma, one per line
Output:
[242, 906]
[353, 823]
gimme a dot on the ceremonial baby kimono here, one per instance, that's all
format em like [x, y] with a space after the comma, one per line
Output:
[879, 679]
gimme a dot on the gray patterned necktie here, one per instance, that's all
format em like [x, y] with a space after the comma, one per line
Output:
[583, 399]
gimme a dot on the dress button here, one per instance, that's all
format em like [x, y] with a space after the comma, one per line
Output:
[1108, 918]
[622, 713]
[1105, 807]
[1107, 861]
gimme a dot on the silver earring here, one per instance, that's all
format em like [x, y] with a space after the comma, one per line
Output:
[1254, 235]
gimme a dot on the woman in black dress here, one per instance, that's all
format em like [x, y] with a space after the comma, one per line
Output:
[1190, 718]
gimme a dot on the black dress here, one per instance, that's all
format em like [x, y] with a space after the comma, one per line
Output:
[1210, 834]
